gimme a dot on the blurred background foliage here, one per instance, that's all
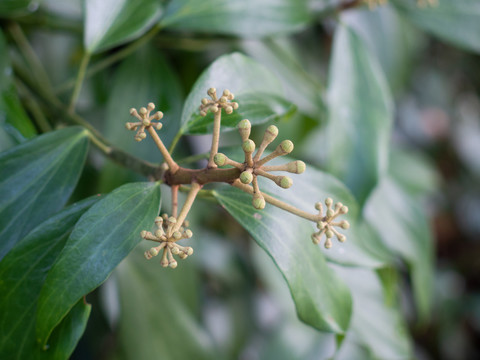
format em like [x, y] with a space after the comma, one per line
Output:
[385, 98]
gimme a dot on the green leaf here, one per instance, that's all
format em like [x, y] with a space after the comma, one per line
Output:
[360, 115]
[247, 18]
[109, 23]
[37, 179]
[258, 92]
[284, 58]
[389, 37]
[12, 115]
[374, 324]
[16, 7]
[453, 21]
[321, 299]
[22, 274]
[413, 171]
[104, 235]
[403, 226]
[161, 325]
[68, 333]
[102, 238]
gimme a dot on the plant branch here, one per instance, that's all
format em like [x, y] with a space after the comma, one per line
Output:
[217, 119]
[172, 165]
[112, 59]
[280, 204]
[79, 82]
[195, 188]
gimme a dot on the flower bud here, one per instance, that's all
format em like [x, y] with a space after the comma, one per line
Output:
[341, 238]
[318, 205]
[143, 111]
[173, 264]
[175, 250]
[223, 99]
[220, 159]
[330, 213]
[315, 238]
[204, 101]
[189, 251]
[329, 234]
[328, 201]
[158, 115]
[285, 147]
[258, 201]
[203, 113]
[188, 233]
[214, 108]
[234, 105]
[344, 210]
[226, 92]
[153, 251]
[146, 122]
[177, 235]
[132, 111]
[344, 224]
[296, 167]
[143, 234]
[228, 109]
[244, 128]
[158, 233]
[328, 244]
[212, 92]
[284, 182]
[151, 106]
[248, 146]
[246, 177]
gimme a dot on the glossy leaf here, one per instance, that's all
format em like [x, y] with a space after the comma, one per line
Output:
[37, 178]
[453, 21]
[321, 299]
[23, 271]
[389, 37]
[258, 92]
[109, 23]
[247, 18]
[360, 115]
[403, 227]
[413, 171]
[161, 325]
[375, 325]
[13, 118]
[284, 59]
[104, 235]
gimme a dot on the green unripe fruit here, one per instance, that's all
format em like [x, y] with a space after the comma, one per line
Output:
[248, 146]
[220, 159]
[286, 146]
[246, 177]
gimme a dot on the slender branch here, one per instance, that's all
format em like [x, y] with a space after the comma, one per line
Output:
[112, 59]
[174, 189]
[217, 119]
[34, 63]
[187, 205]
[142, 167]
[172, 165]
[274, 201]
[33, 107]
[79, 82]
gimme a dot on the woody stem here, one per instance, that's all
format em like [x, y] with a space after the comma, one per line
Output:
[275, 202]
[174, 189]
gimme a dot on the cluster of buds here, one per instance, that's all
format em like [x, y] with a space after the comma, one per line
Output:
[255, 166]
[326, 225]
[167, 234]
[215, 104]
[144, 120]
